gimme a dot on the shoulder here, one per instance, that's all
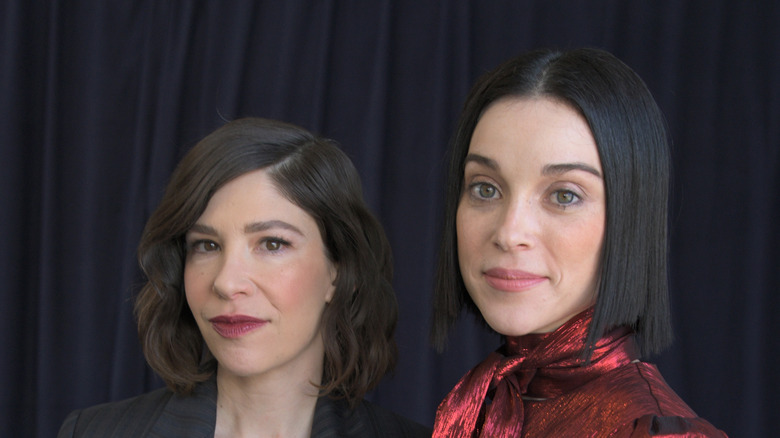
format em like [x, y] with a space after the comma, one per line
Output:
[334, 418]
[629, 401]
[130, 417]
[665, 413]
[667, 402]
[159, 413]
[658, 426]
[639, 389]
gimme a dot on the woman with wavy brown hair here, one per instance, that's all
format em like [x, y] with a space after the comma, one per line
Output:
[269, 309]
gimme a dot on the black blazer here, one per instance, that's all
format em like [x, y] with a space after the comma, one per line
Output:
[162, 413]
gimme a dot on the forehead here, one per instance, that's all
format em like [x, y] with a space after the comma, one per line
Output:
[534, 128]
[254, 195]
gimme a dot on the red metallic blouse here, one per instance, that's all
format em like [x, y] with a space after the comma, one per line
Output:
[538, 385]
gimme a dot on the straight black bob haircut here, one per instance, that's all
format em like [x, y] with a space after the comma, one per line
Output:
[630, 135]
[314, 174]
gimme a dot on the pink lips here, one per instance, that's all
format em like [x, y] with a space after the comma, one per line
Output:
[511, 280]
[234, 326]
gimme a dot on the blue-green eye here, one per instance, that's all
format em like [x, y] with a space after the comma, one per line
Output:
[484, 190]
[565, 197]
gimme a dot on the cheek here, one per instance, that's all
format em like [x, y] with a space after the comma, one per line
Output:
[462, 241]
[581, 244]
[195, 285]
[593, 236]
[469, 242]
[308, 287]
[465, 229]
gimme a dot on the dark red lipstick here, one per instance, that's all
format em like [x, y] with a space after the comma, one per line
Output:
[234, 326]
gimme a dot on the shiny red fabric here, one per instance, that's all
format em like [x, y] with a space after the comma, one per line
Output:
[539, 386]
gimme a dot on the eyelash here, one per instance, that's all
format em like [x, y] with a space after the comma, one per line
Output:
[476, 187]
[199, 246]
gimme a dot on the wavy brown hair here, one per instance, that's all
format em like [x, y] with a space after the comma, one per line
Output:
[314, 174]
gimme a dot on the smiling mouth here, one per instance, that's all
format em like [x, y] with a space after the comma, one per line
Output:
[511, 280]
[235, 326]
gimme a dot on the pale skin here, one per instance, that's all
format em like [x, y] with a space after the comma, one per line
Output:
[530, 222]
[256, 257]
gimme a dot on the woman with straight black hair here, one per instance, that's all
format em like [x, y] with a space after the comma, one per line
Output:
[269, 309]
[556, 237]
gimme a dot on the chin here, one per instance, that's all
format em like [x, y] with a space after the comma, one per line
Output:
[507, 319]
[513, 332]
[508, 328]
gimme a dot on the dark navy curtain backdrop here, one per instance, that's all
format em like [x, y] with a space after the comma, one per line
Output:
[99, 100]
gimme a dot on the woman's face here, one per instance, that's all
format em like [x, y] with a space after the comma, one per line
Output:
[257, 279]
[530, 222]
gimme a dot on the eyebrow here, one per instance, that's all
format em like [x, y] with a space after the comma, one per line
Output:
[550, 169]
[254, 227]
[480, 159]
[558, 169]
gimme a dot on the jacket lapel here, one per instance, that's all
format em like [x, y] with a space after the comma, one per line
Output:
[194, 416]
[334, 419]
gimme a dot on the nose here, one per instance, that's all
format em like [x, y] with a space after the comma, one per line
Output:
[517, 226]
[233, 277]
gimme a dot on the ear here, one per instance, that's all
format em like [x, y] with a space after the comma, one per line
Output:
[330, 293]
[334, 272]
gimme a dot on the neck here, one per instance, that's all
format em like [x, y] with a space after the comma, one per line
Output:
[269, 407]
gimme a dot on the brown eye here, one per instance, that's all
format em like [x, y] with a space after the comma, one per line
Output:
[273, 245]
[203, 246]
